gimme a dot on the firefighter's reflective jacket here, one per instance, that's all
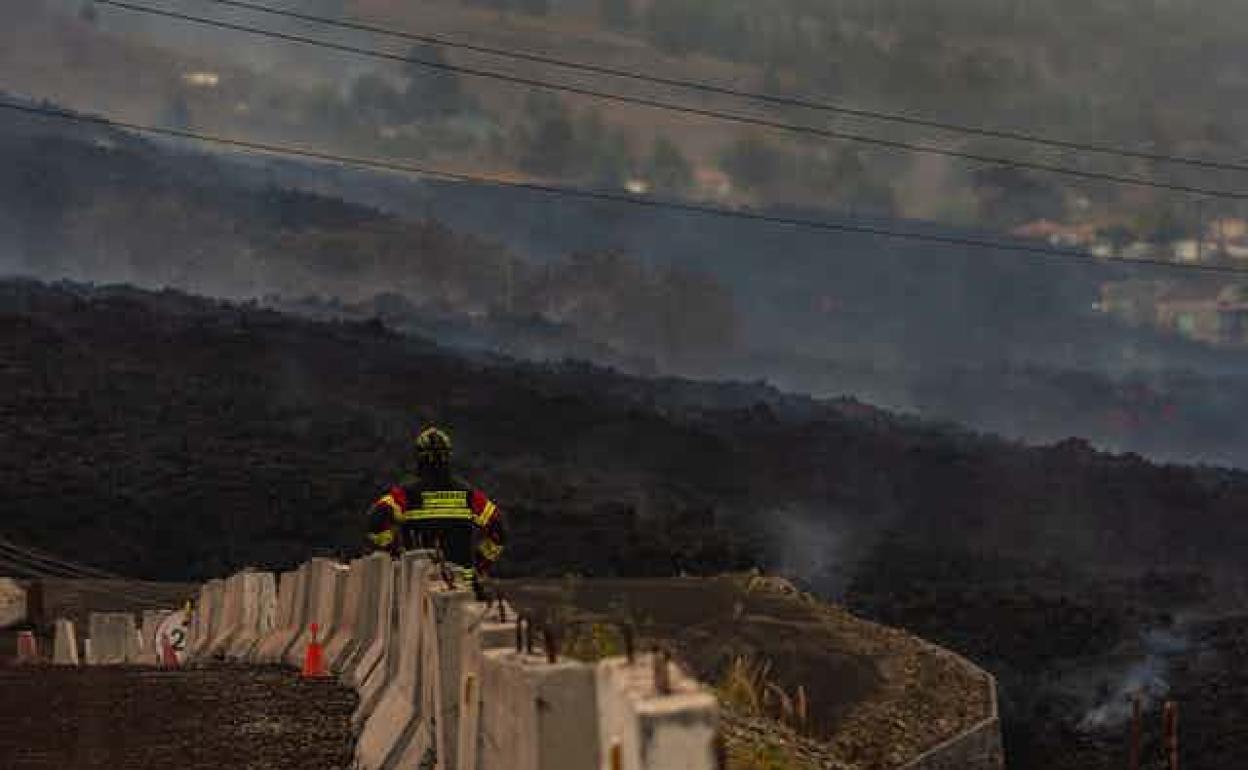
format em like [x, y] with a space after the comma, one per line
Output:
[460, 521]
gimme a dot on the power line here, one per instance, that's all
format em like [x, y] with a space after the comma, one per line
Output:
[33, 566]
[73, 567]
[749, 120]
[67, 569]
[654, 203]
[23, 569]
[712, 88]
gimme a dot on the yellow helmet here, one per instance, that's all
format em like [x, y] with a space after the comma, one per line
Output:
[433, 445]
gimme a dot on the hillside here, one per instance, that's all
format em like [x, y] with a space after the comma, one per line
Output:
[949, 334]
[178, 387]
[167, 436]
[1160, 77]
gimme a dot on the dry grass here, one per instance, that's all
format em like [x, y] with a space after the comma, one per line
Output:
[594, 642]
[747, 687]
[763, 755]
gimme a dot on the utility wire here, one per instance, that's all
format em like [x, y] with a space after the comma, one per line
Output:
[35, 573]
[713, 88]
[54, 567]
[34, 568]
[1073, 255]
[749, 120]
[742, 214]
[78, 569]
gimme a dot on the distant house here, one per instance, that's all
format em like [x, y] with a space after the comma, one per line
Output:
[1139, 250]
[1227, 229]
[1218, 320]
[1132, 301]
[202, 79]
[1056, 233]
[637, 186]
[712, 183]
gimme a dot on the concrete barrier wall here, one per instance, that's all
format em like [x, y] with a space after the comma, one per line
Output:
[209, 617]
[114, 639]
[227, 618]
[324, 577]
[537, 715]
[293, 598]
[377, 681]
[392, 725]
[483, 629]
[12, 603]
[257, 614]
[444, 613]
[264, 649]
[65, 645]
[197, 633]
[372, 619]
[641, 728]
[151, 645]
[340, 643]
[441, 683]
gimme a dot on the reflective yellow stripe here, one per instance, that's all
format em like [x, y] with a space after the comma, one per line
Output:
[388, 501]
[487, 514]
[382, 539]
[451, 514]
[490, 550]
[443, 499]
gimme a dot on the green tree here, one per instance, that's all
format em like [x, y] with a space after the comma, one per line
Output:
[431, 92]
[604, 154]
[668, 169]
[375, 100]
[751, 162]
[547, 137]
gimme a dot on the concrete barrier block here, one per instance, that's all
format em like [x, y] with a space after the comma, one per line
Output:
[394, 723]
[65, 645]
[197, 633]
[151, 645]
[270, 646]
[209, 615]
[385, 667]
[643, 729]
[372, 621]
[216, 615]
[342, 641]
[273, 648]
[229, 618]
[324, 579]
[445, 611]
[12, 603]
[299, 611]
[482, 631]
[257, 612]
[114, 639]
[537, 715]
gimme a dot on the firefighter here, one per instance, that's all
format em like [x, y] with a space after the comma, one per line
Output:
[433, 509]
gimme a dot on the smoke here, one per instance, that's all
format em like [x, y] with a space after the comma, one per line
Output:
[1148, 679]
[819, 548]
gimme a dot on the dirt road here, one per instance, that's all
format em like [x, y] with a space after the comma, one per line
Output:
[224, 718]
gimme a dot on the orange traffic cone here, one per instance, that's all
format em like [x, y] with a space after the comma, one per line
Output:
[314, 658]
[27, 647]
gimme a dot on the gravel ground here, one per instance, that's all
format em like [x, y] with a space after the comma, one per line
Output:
[220, 718]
